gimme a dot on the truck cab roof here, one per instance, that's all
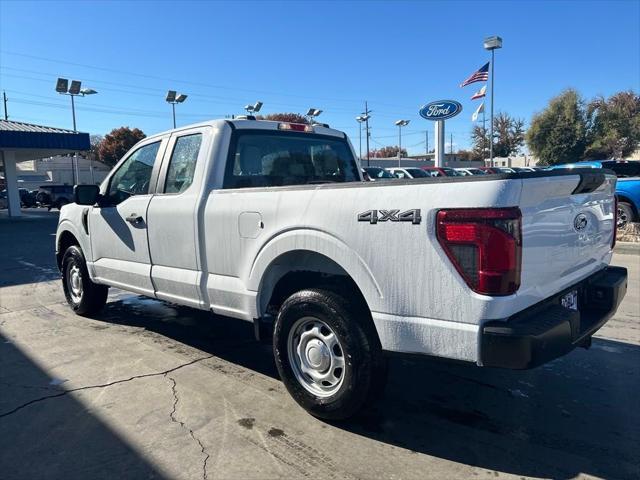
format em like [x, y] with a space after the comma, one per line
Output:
[249, 123]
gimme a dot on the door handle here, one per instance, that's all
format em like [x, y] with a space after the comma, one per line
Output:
[134, 219]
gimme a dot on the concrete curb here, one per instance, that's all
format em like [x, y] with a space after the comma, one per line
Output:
[627, 248]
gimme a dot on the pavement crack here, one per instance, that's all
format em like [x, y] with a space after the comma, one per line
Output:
[173, 418]
[32, 387]
[103, 385]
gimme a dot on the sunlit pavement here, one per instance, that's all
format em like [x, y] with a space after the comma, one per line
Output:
[150, 390]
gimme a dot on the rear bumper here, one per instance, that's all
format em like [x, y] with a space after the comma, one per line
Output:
[548, 330]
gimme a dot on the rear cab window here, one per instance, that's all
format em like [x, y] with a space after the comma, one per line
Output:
[268, 158]
[182, 164]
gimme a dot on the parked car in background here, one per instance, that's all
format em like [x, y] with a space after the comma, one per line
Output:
[54, 196]
[522, 169]
[627, 188]
[3, 200]
[470, 171]
[441, 171]
[378, 173]
[27, 198]
[490, 169]
[408, 172]
[628, 195]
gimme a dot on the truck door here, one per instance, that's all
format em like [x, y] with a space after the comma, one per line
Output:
[118, 227]
[173, 218]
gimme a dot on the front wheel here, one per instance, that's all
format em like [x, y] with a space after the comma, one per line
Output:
[328, 354]
[84, 296]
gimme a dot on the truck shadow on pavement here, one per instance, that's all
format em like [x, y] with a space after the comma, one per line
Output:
[577, 414]
[46, 433]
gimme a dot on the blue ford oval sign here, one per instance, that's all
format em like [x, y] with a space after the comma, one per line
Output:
[440, 110]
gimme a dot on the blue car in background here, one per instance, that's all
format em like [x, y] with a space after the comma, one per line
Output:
[627, 188]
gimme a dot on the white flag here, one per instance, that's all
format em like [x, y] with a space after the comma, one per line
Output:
[478, 111]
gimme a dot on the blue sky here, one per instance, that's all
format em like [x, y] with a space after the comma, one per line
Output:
[293, 55]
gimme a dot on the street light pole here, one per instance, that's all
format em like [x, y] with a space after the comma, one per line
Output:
[74, 161]
[400, 124]
[366, 118]
[173, 98]
[360, 146]
[493, 81]
[492, 43]
[399, 144]
[74, 90]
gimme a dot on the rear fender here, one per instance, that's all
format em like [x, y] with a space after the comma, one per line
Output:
[316, 242]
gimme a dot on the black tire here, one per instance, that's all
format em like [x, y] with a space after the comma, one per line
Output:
[625, 214]
[365, 370]
[92, 297]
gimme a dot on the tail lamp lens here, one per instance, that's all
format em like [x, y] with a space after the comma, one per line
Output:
[484, 245]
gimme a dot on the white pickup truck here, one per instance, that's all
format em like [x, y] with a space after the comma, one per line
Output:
[271, 223]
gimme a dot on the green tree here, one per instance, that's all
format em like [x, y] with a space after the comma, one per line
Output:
[118, 142]
[284, 117]
[480, 142]
[508, 137]
[615, 126]
[508, 133]
[558, 134]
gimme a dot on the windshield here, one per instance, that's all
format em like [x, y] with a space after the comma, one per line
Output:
[450, 172]
[477, 171]
[268, 158]
[376, 172]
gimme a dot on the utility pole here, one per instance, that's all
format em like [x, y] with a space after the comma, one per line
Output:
[426, 138]
[4, 98]
[451, 145]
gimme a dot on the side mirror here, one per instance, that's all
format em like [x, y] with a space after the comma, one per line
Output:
[86, 194]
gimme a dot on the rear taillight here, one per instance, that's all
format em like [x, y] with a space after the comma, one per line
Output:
[485, 246]
[615, 222]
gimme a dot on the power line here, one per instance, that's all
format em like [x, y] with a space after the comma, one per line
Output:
[174, 80]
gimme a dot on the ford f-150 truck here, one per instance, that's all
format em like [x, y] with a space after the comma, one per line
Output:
[270, 222]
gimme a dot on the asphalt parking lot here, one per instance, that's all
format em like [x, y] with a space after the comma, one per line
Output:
[150, 390]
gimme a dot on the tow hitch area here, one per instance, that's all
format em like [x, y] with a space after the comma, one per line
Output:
[556, 326]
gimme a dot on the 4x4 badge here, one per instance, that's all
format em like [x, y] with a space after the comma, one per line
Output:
[375, 216]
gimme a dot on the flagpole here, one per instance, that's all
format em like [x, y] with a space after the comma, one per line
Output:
[491, 120]
[484, 135]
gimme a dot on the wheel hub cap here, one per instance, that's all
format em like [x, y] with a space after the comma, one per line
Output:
[316, 356]
[74, 280]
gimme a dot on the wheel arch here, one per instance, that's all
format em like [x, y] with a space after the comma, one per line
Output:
[310, 258]
[65, 239]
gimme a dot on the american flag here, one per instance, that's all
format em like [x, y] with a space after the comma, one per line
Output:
[482, 75]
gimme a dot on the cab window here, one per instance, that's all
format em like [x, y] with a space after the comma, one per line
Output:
[182, 164]
[266, 158]
[134, 175]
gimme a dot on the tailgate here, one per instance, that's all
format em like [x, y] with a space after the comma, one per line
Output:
[568, 225]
